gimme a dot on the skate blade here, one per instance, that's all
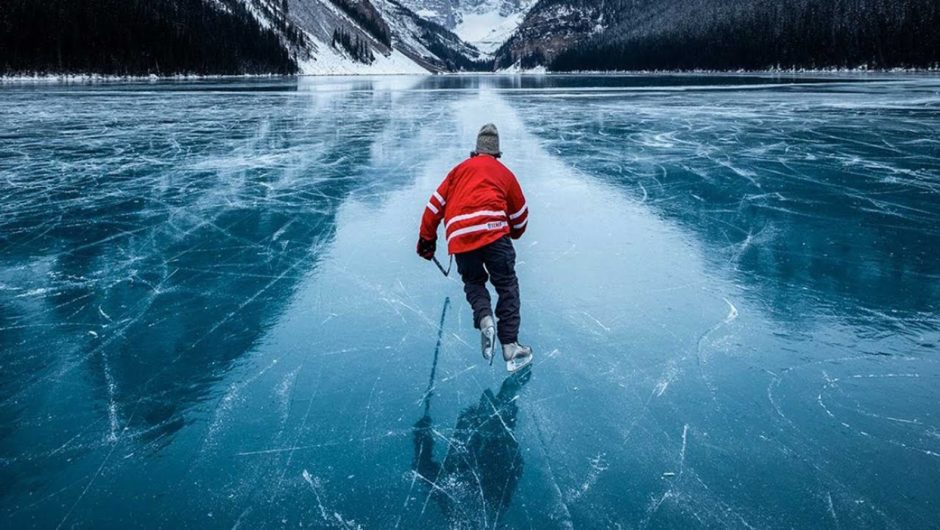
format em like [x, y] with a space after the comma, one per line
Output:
[486, 341]
[514, 365]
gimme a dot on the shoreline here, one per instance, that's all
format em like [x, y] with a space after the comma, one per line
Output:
[153, 78]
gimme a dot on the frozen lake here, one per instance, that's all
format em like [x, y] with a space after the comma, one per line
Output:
[211, 313]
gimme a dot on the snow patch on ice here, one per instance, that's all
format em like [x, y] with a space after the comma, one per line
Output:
[518, 69]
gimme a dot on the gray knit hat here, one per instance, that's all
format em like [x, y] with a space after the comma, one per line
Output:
[488, 141]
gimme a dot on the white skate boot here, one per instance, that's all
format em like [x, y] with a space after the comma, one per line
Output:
[516, 356]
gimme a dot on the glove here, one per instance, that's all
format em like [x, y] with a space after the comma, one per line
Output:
[426, 248]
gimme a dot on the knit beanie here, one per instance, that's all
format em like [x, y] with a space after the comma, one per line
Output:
[488, 141]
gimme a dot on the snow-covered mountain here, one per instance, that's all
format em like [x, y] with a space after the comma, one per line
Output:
[549, 28]
[486, 24]
[167, 37]
[368, 36]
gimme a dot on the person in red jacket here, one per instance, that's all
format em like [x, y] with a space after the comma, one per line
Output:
[483, 208]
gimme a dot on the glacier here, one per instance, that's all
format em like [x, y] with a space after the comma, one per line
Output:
[485, 24]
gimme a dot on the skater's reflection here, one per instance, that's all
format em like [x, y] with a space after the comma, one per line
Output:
[475, 481]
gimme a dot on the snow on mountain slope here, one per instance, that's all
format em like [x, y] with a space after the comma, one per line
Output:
[410, 44]
[487, 31]
[326, 60]
[485, 24]
[427, 42]
[550, 27]
[339, 37]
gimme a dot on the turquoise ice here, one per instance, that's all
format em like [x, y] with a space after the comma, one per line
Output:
[211, 314]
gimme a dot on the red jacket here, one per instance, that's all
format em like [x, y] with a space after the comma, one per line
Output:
[480, 201]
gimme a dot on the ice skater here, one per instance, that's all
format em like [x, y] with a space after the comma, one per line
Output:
[483, 208]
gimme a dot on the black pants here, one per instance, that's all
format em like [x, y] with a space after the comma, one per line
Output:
[499, 260]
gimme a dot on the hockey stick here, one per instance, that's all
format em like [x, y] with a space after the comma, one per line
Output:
[437, 350]
[449, 265]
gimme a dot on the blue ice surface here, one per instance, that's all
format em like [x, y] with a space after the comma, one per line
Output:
[211, 314]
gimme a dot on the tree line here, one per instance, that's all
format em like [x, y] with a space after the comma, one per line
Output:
[356, 47]
[137, 37]
[365, 14]
[761, 34]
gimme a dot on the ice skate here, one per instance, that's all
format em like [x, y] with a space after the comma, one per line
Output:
[487, 336]
[516, 356]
